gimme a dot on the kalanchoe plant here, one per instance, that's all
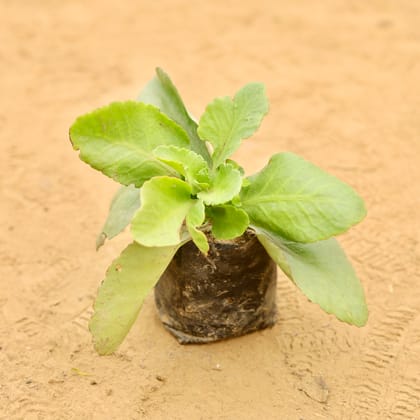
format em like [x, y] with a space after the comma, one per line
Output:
[178, 184]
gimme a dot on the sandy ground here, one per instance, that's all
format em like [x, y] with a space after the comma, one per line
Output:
[343, 79]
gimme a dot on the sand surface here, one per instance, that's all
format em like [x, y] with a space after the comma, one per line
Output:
[343, 79]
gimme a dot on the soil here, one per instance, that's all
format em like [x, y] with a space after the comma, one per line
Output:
[229, 292]
[343, 79]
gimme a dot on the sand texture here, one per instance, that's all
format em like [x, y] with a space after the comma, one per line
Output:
[343, 79]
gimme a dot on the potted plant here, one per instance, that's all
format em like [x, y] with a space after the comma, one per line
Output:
[208, 237]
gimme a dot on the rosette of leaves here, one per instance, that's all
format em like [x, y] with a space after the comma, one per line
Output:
[178, 184]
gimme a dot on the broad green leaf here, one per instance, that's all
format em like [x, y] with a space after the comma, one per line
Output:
[226, 184]
[123, 206]
[128, 281]
[192, 166]
[118, 140]
[227, 121]
[227, 221]
[323, 273]
[162, 93]
[300, 202]
[165, 203]
[195, 218]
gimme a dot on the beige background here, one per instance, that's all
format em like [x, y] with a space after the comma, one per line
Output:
[343, 79]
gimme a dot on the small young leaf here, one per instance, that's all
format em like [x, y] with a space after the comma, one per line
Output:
[162, 93]
[226, 184]
[226, 122]
[118, 140]
[165, 203]
[123, 206]
[228, 222]
[128, 281]
[298, 201]
[192, 166]
[323, 273]
[195, 217]
[235, 165]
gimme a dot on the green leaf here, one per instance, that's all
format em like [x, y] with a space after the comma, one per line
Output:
[195, 218]
[118, 140]
[235, 165]
[128, 281]
[323, 273]
[123, 206]
[298, 201]
[225, 185]
[192, 166]
[228, 222]
[162, 93]
[165, 203]
[226, 122]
